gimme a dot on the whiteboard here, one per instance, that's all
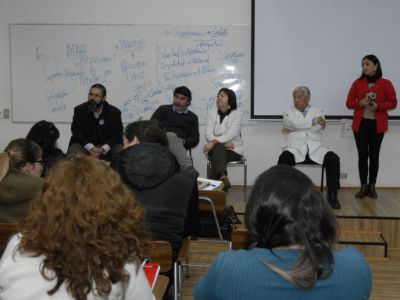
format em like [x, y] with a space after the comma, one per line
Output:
[320, 44]
[53, 67]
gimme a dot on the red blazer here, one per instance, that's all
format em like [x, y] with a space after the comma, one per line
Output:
[385, 99]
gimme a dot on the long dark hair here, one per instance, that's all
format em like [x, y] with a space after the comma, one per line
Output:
[286, 209]
[231, 97]
[375, 60]
[45, 134]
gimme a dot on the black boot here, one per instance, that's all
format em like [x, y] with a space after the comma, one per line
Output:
[372, 192]
[363, 191]
[333, 200]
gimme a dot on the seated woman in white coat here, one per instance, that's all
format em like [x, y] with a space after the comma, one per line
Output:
[303, 125]
[223, 135]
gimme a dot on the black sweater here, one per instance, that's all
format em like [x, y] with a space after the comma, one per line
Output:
[186, 126]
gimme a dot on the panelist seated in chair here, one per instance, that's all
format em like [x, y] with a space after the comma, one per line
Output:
[96, 126]
[223, 135]
[181, 125]
[303, 125]
[168, 195]
[294, 232]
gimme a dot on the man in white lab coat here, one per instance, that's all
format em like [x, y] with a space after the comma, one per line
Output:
[303, 126]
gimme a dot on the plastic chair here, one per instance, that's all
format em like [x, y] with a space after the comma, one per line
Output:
[311, 163]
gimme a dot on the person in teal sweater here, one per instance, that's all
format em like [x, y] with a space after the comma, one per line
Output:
[292, 257]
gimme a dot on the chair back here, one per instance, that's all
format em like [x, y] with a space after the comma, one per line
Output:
[218, 198]
[240, 239]
[162, 254]
[6, 231]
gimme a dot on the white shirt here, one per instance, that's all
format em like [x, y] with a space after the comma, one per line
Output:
[305, 135]
[227, 131]
[20, 279]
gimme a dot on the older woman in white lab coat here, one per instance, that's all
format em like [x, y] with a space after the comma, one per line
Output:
[223, 134]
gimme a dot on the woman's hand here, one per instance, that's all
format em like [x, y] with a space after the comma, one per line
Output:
[373, 106]
[207, 147]
[364, 102]
[229, 145]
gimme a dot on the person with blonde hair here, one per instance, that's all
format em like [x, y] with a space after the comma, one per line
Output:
[82, 239]
[293, 257]
[20, 169]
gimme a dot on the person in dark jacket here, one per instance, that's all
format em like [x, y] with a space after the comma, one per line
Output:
[181, 125]
[96, 127]
[46, 134]
[169, 195]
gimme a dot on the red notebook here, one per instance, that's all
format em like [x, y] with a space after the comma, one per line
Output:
[151, 270]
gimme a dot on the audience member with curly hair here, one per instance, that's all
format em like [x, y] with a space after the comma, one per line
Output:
[82, 239]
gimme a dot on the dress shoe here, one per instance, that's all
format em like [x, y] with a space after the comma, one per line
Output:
[364, 190]
[333, 200]
[372, 192]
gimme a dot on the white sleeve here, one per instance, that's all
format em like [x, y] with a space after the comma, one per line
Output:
[210, 126]
[138, 287]
[293, 122]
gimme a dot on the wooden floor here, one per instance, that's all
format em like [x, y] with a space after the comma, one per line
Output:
[386, 272]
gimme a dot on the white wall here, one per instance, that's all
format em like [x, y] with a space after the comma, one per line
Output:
[263, 139]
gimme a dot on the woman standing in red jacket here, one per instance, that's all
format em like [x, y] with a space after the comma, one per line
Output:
[370, 96]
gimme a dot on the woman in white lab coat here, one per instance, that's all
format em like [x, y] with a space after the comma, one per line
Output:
[223, 135]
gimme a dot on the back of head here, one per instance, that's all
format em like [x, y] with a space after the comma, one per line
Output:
[183, 90]
[18, 153]
[87, 225]
[286, 209]
[45, 134]
[148, 131]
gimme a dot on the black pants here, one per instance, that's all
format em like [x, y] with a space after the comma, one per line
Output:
[331, 163]
[368, 146]
[219, 157]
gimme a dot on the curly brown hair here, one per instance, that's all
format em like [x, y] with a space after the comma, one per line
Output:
[87, 225]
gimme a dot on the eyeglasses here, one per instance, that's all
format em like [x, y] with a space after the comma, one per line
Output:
[40, 162]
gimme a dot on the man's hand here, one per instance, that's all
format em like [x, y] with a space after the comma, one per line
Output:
[229, 146]
[207, 147]
[96, 152]
[321, 122]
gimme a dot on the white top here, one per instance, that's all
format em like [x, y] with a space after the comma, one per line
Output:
[20, 279]
[304, 136]
[227, 131]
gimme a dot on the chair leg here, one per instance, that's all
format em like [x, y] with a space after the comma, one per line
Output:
[245, 176]
[322, 177]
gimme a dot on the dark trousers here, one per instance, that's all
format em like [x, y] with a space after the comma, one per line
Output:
[331, 163]
[76, 148]
[368, 146]
[219, 157]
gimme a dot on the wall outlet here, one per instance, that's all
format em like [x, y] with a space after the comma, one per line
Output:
[6, 113]
[343, 175]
